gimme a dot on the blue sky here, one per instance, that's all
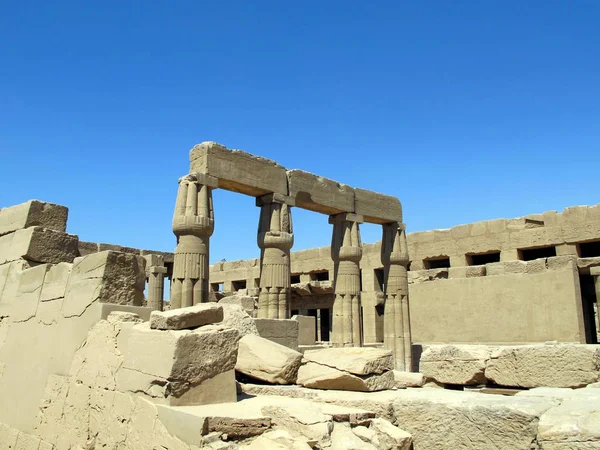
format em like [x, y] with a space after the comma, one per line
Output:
[465, 110]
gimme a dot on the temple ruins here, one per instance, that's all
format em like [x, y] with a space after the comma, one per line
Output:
[482, 336]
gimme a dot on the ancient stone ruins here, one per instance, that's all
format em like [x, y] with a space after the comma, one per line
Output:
[298, 350]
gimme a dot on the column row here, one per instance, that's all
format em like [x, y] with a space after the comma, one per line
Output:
[193, 224]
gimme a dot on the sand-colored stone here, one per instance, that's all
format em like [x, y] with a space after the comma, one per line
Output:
[184, 318]
[237, 318]
[268, 361]
[281, 331]
[390, 437]
[182, 360]
[355, 360]
[246, 302]
[550, 365]
[278, 440]
[319, 194]
[109, 277]
[55, 282]
[317, 376]
[574, 424]
[377, 208]
[37, 244]
[455, 364]
[403, 380]
[33, 213]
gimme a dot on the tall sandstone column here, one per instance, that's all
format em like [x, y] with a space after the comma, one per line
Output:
[275, 239]
[193, 224]
[396, 318]
[346, 252]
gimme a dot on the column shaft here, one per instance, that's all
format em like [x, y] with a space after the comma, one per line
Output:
[193, 224]
[275, 238]
[396, 319]
[346, 252]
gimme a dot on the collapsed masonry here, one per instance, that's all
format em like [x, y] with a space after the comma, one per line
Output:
[87, 362]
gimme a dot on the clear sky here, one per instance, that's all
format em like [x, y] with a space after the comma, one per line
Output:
[465, 110]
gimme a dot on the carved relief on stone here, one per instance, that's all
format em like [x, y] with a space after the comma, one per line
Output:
[346, 252]
[193, 224]
[275, 238]
[396, 319]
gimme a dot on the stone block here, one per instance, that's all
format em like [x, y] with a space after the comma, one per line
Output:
[282, 331]
[446, 419]
[238, 171]
[377, 208]
[455, 364]
[319, 194]
[572, 425]
[403, 380]
[39, 245]
[355, 360]
[550, 365]
[9, 282]
[107, 277]
[190, 317]
[246, 302]
[268, 361]
[28, 293]
[55, 283]
[318, 376]
[307, 329]
[106, 309]
[235, 317]
[190, 364]
[33, 213]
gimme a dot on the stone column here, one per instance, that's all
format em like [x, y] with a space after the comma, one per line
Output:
[155, 272]
[275, 239]
[396, 318]
[193, 224]
[346, 252]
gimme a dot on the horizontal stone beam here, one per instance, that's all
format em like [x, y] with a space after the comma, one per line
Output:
[319, 194]
[377, 208]
[238, 171]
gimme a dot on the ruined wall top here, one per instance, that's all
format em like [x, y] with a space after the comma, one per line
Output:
[242, 172]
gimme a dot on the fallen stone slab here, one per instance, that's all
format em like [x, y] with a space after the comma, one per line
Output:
[184, 318]
[317, 376]
[455, 364]
[574, 424]
[355, 360]
[343, 438]
[548, 365]
[445, 419]
[278, 440]
[390, 437]
[268, 361]
[301, 419]
[33, 213]
[246, 302]
[403, 380]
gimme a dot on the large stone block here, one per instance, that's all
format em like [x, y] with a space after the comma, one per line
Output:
[55, 283]
[39, 245]
[9, 282]
[550, 365]
[238, 171]
[267, 361]
[194, 366]
[573, 425]
[234, 316]
[307, 329]
[455, 364]
[445, 419]
[319, 194]
[109, 277]
[282, 331]
[377, 208]
[33, 213]
[317, 376]
[190, 317]
[28, 293]
[356, 360]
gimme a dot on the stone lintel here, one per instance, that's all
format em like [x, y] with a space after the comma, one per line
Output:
[206, 179]
[275, 198]
[377, 208]
[346, 217]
